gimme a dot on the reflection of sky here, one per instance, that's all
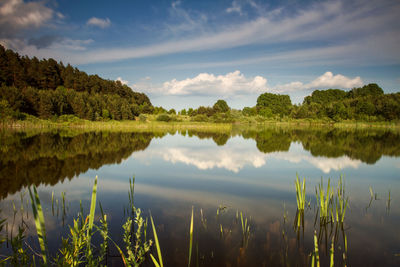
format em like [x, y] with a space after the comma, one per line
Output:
[237, 154]
[176, 172]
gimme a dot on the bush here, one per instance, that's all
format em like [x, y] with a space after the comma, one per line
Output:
[163, 117]
[68, 118]
[142, 118]
[200, 118]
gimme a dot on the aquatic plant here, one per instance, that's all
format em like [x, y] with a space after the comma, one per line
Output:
[341, 202]
[300, 193]
[158, 263]
[324, 200]
[190, 239]
[39, 222]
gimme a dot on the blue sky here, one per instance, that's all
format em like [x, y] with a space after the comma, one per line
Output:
[190, 53]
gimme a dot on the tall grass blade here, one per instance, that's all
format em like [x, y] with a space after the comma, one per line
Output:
[92, 206]
[160, 264]
[39, 222]
[191, 239]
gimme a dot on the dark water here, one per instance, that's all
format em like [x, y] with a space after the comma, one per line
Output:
[245, 170]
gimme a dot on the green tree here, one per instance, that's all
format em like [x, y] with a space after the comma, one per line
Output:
[221, 106]
[278, 104]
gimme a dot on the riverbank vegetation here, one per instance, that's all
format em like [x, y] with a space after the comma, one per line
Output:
[49, 90]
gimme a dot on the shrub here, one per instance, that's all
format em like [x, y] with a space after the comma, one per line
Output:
[200, 118]
[163, 117]
[142, 118]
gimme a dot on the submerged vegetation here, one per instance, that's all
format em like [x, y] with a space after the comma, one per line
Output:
[326, 243]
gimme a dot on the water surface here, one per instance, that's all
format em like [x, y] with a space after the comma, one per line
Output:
[244, 170]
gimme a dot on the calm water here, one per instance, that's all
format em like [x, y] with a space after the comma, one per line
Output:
[245, 170]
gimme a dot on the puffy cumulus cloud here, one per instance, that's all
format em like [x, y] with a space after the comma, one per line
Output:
[330, 80]
[210, 84]
[101, 23]
[325, 81]
[17, 16]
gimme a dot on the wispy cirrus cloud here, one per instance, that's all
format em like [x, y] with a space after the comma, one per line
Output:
[332, 31]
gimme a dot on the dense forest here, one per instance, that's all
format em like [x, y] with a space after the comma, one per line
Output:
[46, 88]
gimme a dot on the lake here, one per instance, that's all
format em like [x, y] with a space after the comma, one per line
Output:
[226, 176]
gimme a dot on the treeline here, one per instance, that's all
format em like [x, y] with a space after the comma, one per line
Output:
[46, 88]
[368, 103]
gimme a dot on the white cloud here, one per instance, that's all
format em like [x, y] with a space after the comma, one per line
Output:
[361, 34]
[184, 21]
[327, 80]
[210, 84]
[235, 8]
[236, 83]
[122, 81]
[17, 16]
[102, 23]
[71, 44]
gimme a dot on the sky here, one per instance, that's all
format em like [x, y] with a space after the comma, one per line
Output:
[190, 53]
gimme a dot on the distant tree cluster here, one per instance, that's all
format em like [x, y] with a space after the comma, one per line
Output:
[367, 103]
[46, 88]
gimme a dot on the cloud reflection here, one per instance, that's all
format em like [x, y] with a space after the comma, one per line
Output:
[234, 157]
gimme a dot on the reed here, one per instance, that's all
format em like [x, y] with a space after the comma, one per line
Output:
[300, 193]
[245, 230]
[190, 239]
[158, 263]
[341, 202]
[324, 200]
[39, 222]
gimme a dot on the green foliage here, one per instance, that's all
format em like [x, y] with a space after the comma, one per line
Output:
[200, 118]
[221, 106]
[164, 117]
[46, 88]
[136, 250]
[368, 103]
[371, 89]
[5, 110]
[142, 118]
[247, 111]
[325, 96]
[278, 104]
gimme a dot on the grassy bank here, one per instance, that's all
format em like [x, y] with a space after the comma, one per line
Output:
[181, 122]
